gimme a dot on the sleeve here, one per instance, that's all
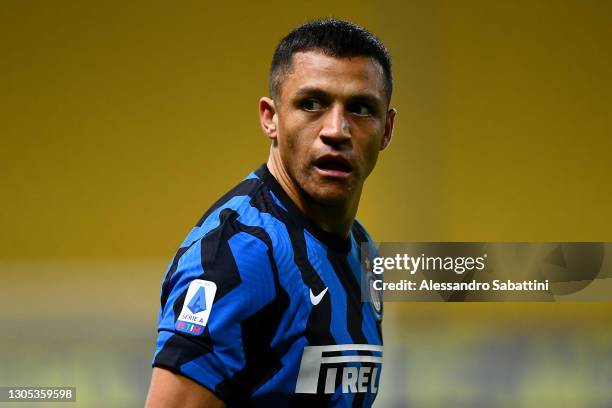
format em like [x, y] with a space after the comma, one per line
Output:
[211, 289]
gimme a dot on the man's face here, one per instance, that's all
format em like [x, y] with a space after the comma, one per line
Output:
[332, 121]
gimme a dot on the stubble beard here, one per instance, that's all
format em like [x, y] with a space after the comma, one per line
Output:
[323, 193]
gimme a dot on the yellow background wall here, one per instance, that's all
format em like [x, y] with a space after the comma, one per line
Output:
[122, 122]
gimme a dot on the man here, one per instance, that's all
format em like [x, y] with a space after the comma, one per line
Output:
[261, 306]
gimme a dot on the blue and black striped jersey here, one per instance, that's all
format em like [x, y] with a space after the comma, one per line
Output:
[264, 308]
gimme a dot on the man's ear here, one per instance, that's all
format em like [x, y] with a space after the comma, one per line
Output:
[268, 118]
[389, 123]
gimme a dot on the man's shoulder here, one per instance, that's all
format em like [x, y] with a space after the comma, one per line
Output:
[249, 207]
[236, 198]
[231, 239]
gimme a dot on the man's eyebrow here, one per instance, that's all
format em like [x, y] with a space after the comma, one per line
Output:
[311, 91]
[366, 97]
[318, 92]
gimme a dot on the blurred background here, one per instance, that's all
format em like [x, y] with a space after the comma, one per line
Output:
[121, 122]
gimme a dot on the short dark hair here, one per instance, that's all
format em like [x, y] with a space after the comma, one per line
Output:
[336, 38]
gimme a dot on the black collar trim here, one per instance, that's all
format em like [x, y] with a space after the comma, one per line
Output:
[342, 244]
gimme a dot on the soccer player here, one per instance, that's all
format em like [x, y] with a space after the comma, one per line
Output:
[261, 305]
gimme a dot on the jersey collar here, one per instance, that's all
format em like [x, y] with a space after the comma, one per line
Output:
[334, 241]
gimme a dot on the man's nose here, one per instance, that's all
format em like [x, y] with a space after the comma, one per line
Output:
[336, 127]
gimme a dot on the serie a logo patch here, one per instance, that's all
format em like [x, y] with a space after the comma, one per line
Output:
[196, 308]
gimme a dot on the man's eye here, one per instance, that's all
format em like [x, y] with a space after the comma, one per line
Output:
[361, 109]
[312, 105]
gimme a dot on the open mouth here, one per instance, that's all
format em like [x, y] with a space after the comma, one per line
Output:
[333, 165]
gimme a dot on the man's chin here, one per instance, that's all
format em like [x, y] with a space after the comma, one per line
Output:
[331, 196]
[329, 191]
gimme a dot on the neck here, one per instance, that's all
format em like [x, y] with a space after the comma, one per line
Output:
[333, 218]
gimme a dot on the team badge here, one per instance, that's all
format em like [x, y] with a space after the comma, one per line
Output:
[375, 296]
[196, 308]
